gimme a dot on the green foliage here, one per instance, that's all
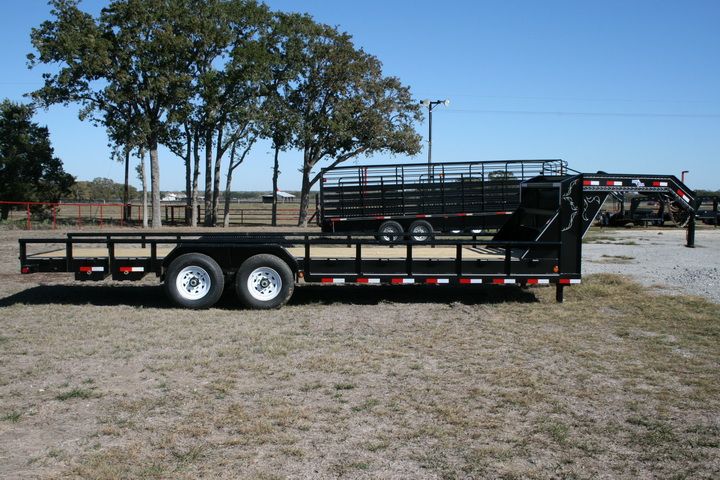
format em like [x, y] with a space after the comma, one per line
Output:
[347, 107]
[216, 75]
[29, 171]
[100, 189]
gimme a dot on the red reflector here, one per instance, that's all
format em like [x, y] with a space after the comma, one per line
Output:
[126, 269]
[464, 280]
[532, 281]
[25, 270]
[86, 269]
[498, 281]
[326, 280]
[396, 281]
[431, 280]
[565, 281]
[362, 280]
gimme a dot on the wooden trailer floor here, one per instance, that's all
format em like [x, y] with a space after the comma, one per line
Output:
[317, 252]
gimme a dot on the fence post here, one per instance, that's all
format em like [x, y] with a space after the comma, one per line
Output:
[54, 214]
[78, 217]
[28, 226]
[101, 215]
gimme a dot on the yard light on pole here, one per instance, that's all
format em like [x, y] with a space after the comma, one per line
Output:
[682, 175]
[431, 104]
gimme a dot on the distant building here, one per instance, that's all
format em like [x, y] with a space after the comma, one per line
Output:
[173, 197]
[283, 197]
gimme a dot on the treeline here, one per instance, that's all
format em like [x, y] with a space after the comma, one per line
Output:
[106, 190]
[29, 169]
[209, 78]
[101, 190]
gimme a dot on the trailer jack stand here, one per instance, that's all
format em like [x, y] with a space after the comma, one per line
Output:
[691, 232]
[559, 293]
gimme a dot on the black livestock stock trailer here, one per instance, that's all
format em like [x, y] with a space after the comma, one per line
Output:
[540, 243]
[471, 197]
[424, 198]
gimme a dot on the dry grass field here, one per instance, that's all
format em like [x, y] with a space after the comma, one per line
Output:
[109, 381]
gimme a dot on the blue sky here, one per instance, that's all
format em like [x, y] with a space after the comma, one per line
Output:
[624, 86]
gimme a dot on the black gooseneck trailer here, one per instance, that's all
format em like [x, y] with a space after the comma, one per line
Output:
[539, 244]
[422, 200]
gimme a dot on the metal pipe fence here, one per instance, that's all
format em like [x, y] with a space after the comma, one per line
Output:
[244, 214]
[31, 215]
[54, 214]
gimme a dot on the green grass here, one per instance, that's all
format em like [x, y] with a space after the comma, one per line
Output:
[81, 393]
[12, 417]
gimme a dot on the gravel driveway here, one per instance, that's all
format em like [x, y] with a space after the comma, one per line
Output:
[658, 257]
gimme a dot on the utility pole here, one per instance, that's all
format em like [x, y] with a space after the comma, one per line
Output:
[431, 104]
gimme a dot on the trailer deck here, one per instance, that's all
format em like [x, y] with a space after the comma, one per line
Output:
[376, 252]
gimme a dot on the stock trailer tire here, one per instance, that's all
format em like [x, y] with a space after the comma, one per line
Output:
[390, 232]
[264, 281]
[194, 280]
[421, 231]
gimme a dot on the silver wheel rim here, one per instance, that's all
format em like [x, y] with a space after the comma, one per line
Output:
[389, 230]
[420, 233]
[193, 283]
[264, 284]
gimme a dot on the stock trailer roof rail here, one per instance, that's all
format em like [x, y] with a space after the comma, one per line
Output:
[541, 244]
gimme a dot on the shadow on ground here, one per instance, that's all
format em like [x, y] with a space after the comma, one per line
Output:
[153, 296]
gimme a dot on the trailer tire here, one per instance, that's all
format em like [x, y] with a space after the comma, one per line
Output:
[390, 232]
[194, 280]
[420, 231]
[264, 281]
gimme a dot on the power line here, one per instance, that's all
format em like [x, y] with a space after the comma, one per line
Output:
[571, 99]
[587, 114]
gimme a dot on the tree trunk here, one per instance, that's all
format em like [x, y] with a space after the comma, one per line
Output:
[143, 179]
[216, 178]
[226, 212]
[188, 177]
[208, 179]
[126, 189]
[305, 191]
[196, 175]
[4, 212]
[276, 172]
[155, 184]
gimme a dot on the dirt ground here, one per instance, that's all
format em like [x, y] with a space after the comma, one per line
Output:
[110, 381]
